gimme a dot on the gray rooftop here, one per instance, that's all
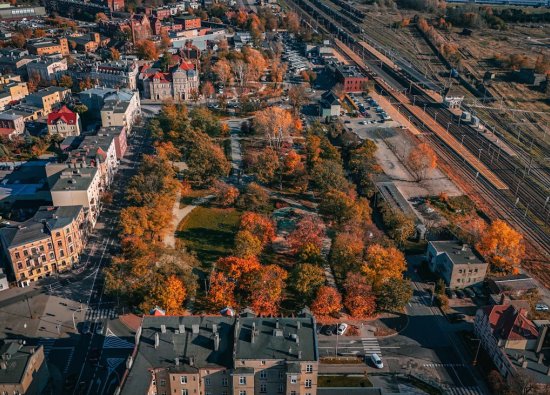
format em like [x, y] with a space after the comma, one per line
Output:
[39, 226]
[19, 356]
[458, 253]
[46, 92]
[75, 179]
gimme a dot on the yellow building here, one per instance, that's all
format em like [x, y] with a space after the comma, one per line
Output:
[47, 46]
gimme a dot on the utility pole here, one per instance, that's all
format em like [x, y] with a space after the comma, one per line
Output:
[29, 306]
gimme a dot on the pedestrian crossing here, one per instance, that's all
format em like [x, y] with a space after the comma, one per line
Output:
[68, 360]
[371, 346]
[113, 341]
[48, 344]
[443, 365]
[99, 314]
[463, 391]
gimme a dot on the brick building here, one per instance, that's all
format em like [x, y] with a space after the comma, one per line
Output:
[23, 368]
[50, 242]
[48, 46]
[141, 27]
[350, 77]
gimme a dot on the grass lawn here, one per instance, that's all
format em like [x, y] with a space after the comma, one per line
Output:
[343, 381]
[209, 232]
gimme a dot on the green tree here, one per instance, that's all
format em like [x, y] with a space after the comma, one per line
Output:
[337, 206]
[394, 295]
[329, 175]
[362, 167]
[204, 120]
[255, 199]
[247, 245]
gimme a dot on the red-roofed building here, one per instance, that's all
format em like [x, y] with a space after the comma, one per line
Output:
[504, 328]
[64, 122]
[177, 83]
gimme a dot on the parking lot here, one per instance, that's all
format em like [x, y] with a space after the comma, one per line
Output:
[368, 111]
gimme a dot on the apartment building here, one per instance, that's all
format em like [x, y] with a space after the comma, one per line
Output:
[12, 123]
[48, 98]
[225, 355]
[49, 242]
[13, 86]
[456, 263]
[23, 368]
[121, 111]
[120, 138]
[64, 122]
[96, 151]
[81, 186]
[116, 74]
[47, 69]
[178, 83]
[48, 46]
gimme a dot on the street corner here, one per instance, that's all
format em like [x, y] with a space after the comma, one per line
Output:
[387, 325]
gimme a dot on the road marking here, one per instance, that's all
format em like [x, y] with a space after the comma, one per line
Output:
[113, 341]
[444, 365]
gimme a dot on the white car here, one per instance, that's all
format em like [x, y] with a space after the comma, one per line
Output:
[342, 328]
[541, 307]
[377, 361]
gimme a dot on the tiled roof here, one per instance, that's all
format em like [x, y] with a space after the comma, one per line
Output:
[63, 114]
[510, 324]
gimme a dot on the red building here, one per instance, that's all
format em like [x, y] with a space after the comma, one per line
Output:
[350, 77]
[115, 5]
[141, 27]
[189, 22]
[120, 137]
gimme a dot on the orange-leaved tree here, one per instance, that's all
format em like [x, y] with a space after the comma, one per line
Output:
[308, 233]
[502, 246]
[238, 269]
[327, 302]
[221, 291]
[266, 290]
[247, 245]
[383, 263]
[359, 299]
[259, 225]
[169, 294]
[421, 159]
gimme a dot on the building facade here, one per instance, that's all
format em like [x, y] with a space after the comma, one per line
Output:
[48, 69]
[48, 46]
[48, 98]
[178, 83]
[457, 263]
[50, 242]
[64, 122]
[122, 112]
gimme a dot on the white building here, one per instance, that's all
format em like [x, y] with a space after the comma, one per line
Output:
[119, 112]
[48, 69]
[116, 74]
[64, 122]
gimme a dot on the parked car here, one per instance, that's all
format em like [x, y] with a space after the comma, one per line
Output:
[469, 293]
[377, 361]
[347, 121]
[460, 294]
[328, 331]
[457, 317]
[342, 328]
[86, 328]
[99, 328]
[449, 293]
[541, 307]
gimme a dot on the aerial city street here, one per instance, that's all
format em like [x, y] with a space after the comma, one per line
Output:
[300, 197]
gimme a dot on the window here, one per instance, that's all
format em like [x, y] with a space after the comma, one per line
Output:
[52, 255]
[263, 388]
[61, 253]
[26, 252]
[19, 265]
[50, 246]
[183, 379]
[59, 243]
[17, 255]
[224, 382]
[308, 383]
[292, 392]
[281, 374]
[184, 392]
[263, 374]
[57, 234]
[293, 379]
[242, 380]
[43, 257]
[309, 368]
[281, 388]
[263, 362]
[207, 381]
[162, 383]
[242, 392]
[70, 239]
[42, 248]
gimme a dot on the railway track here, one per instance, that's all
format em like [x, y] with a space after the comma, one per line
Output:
[531, 196]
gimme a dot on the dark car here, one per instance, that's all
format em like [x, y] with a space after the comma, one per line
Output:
[460, 294]
[328, 330]
[469, 293]
[347, 121]
[457, 317]
[94, 354]
[449, 293]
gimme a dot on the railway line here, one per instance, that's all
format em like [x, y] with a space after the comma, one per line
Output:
[525, 194]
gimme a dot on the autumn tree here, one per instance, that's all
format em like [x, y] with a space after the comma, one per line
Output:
[329, 175]
[147, 50]
[383, 264]
[307, 278]
[226, 194]
[66, 81]
[221, 291]
[238, 269]
[100, 16]
[169, 294]
[328, 301]
[400, 227]
[206, 160]
[265, 165]
[222, 69]
[240, 70]
[502, 246]
[256, 63]
[247, 245]
[259, 225]
[275, 124]
[86, 83]
[297, 97]
[337, 206]
[114, 53]
[278, 71]
[255, 198]
[421, 159]
[359, 299]
[307, 238]
[18, 40]
[346, 252]
[394, 295]
[207, 90]
[292, 22]
[266, 290]
[363, 167]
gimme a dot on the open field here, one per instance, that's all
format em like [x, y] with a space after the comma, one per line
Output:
[209, 232]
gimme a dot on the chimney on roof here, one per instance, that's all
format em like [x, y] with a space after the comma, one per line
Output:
[298, 324]
[177, 361]
[157, 340]
[195, 329]
[541, 358]
[181, 328]
[3, 365]
[191, 361]
[216, 341]
[524, 364]
[163, 328]
[299, 354]
[214, 328]
[277, 324]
